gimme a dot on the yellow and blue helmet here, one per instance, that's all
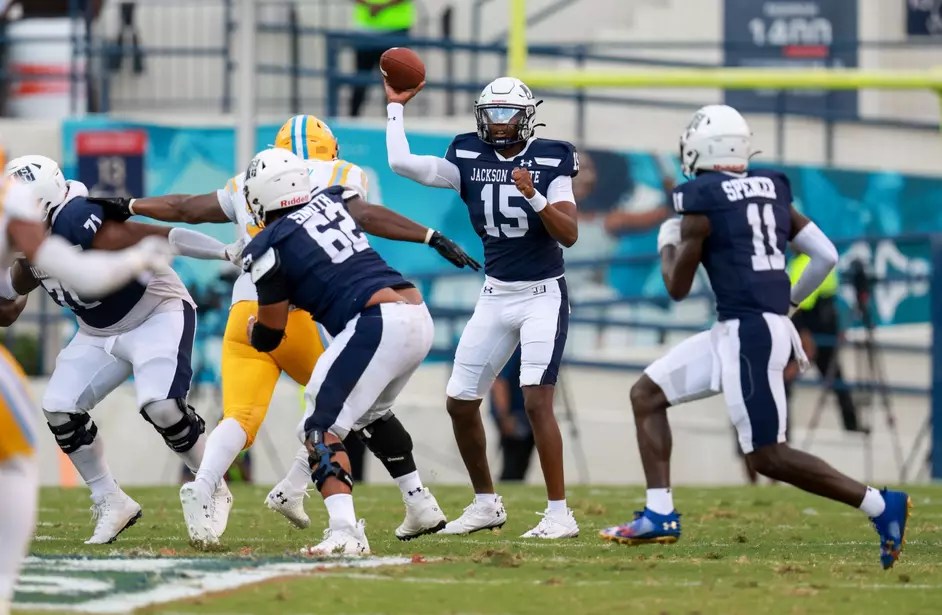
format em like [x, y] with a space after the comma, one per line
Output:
[308, 137]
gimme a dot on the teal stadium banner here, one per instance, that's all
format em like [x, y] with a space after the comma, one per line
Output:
[622, 200]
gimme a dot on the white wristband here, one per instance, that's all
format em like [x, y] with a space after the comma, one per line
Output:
[428, 235]
[131, 206]
[538, 202]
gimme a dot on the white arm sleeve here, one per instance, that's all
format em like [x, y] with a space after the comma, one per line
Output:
[93, 273]
[823, 257]
[197, 245]
[427, 170]
[559, 190]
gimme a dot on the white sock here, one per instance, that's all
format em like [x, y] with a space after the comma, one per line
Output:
[409, 484]
[660, 501]
[299, 476]
[556, 506]
[340, 510]
[19, 482]
[222, 447]
[90, 462]
[873, 504]
[194, 457]
[485, 498]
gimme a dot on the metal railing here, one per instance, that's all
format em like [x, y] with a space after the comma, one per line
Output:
[190, 66]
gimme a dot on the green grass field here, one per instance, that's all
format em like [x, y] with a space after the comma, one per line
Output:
[744, 550]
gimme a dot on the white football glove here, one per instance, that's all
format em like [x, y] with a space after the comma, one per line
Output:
[154, 253]
[669, 235]
[234, 251]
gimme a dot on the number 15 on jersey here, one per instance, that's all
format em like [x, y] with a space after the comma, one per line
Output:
[517, 224]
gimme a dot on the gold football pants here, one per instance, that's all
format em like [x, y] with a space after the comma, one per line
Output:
[249, 376]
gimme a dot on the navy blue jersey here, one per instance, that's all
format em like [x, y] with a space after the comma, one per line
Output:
[517, 246]
[750, 225]
[320, 261]
[77, 221]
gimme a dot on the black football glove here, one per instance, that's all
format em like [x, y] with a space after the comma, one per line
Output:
[452, 252]
[116, 208]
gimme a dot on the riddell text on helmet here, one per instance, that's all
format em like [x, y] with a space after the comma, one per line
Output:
[295, 200]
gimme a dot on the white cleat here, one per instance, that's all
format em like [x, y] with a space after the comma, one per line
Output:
[113, 514]
[478, 516]
[555, 525]
[198, 512]
[341, 542]
[288, 501]
[222, 505]
[423, 516]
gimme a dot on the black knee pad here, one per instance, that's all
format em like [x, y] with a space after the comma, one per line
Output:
[322, 461]
[80, 430]
[181, 435]
[389, 441]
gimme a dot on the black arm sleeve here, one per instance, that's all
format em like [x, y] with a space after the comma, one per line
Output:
[273, 288]
[265, 339]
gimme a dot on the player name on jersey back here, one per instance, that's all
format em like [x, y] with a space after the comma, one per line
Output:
[750, 225]
[517, 247]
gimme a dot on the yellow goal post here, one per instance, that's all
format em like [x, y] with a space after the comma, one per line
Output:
[722, 78]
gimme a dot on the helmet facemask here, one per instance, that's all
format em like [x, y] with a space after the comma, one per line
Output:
[503, 125]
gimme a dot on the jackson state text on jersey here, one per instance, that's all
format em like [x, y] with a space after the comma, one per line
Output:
[328, 263]
[750, 225]
[77, 221]
[517, 246]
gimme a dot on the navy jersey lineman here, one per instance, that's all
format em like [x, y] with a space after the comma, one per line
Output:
[145, 329]
[737, 222]
[518, 190]
[312, 254]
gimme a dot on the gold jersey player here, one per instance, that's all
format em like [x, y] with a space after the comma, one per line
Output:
[90, 274]
[249, 376]
[518, 190]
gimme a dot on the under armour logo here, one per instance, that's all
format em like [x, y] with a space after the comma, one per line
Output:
[670, 525]
[526, 163]
[416, 491]
[488, 290]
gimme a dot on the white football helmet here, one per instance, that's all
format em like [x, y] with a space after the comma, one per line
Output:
[716, 139]
[44, 177]
[276, 179]
[505, 102]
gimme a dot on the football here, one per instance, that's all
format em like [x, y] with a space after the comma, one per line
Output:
[402, 68]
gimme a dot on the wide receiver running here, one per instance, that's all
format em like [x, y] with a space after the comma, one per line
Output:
[518, 189]
[145, 328]
[313, 254]
[90, 274]
[737, 222]
[249, 376]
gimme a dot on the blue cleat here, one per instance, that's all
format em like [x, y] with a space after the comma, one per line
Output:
[648, 527]
[891, 525]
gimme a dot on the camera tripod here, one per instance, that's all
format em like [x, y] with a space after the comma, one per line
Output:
[873, 392]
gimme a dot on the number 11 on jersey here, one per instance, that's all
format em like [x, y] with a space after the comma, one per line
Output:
[763, 234]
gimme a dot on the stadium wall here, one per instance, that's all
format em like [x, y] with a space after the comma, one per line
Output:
[616, 126]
